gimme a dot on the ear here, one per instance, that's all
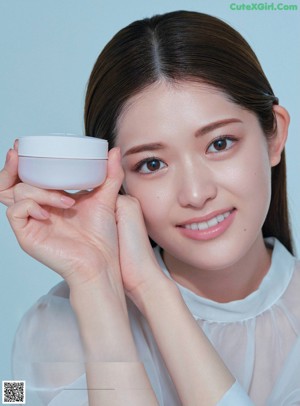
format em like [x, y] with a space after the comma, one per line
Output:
[278, 140]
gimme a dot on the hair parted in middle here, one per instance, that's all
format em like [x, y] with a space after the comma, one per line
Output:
[185, 46]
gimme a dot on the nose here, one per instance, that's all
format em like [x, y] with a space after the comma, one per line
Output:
[196, 184]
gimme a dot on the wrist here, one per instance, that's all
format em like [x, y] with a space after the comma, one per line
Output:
[157, 292]
[101, 281]
[103, 289]
[89, 268]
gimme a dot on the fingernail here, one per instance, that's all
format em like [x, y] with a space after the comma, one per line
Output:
[16, 144]
[44, 213]
[67, 201]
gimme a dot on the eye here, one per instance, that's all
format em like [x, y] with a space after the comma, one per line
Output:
[220, 144]
[150, 165]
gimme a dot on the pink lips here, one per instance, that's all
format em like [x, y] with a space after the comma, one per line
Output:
[208, 227]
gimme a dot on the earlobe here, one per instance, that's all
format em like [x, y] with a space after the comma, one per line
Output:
[277, 142]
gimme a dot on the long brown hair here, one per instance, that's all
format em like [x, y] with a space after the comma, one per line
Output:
[184, 45]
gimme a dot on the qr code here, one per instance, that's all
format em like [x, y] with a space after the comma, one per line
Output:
[13, 392]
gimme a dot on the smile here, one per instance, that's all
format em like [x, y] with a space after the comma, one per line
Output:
[210, 228]
[204, 225]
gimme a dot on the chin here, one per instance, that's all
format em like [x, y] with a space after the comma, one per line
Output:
[213, 255]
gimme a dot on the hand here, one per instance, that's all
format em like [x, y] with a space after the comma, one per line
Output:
[75, 235]
[141, 273]
[9, 176]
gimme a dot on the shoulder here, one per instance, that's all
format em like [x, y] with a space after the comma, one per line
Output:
[286, 311]
[292, 293]
[48, 330]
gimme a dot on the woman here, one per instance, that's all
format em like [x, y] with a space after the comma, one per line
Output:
[197, 149]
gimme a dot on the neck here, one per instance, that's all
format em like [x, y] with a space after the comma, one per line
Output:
[228, 284]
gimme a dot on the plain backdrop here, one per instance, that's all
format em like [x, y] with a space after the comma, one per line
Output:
[47, 50]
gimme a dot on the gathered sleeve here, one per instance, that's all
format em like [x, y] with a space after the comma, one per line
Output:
[47, 352]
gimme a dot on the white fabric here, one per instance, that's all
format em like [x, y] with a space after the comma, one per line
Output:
[236, 396]
[257, 337]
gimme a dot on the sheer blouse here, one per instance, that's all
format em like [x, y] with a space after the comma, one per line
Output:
[257, 337]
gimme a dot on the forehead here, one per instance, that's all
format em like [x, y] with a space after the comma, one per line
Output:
[165, 107]
[164, 91]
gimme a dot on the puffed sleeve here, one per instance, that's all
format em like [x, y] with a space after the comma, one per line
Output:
[47, 353]
[235, 396]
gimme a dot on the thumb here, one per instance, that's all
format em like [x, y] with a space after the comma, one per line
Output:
[134, 245]
[9, 177]
[115, 175]
[9, 174]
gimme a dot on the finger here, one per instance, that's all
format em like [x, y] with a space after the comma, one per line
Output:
[16, 145]
[9, 174]
[51, 198]
[135, 249]
[115, 175]
[132, 230]
[20, 213]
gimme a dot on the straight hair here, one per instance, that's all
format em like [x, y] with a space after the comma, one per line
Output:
[186, 46]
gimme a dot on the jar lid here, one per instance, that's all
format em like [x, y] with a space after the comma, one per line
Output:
[56, 146]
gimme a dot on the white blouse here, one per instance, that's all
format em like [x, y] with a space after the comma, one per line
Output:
[257, 337]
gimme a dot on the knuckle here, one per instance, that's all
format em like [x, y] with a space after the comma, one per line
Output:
[132, 199]
[22, 191]
[18, 191]
[128, 201]
[6, 198]
[9, 212]
[3, 173]
[132, 205]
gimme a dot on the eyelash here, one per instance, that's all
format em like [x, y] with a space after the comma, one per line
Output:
[140, 164]
[143, 162]
[222, 138]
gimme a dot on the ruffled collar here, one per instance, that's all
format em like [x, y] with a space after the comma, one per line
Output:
[270, 290]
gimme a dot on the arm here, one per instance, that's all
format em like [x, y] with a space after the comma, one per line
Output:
[197, 371]
[114, 374]
[77, 238]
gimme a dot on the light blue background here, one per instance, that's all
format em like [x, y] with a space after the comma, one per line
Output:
[47, 50]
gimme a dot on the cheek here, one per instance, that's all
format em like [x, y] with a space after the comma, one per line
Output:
[253, 186]
[250, 173]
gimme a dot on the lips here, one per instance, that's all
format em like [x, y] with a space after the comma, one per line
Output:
[204, 225]
[208, 227]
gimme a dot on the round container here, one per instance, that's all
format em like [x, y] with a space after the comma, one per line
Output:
[62, 162]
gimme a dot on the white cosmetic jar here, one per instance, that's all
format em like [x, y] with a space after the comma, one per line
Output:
[62, 162]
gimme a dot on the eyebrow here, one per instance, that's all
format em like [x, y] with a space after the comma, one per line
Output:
[213, 126]
[156, 146]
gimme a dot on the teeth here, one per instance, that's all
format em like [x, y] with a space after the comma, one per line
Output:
[203, 226]
[210, 223]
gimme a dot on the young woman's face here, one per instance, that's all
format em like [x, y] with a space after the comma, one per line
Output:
[200, 168]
